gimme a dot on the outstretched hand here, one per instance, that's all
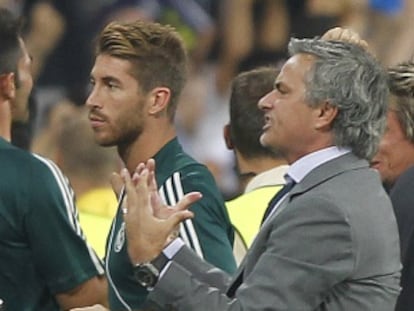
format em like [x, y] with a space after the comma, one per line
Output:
[148, 231]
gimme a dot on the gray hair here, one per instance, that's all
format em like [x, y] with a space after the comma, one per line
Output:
[350, 79]
[401, 83]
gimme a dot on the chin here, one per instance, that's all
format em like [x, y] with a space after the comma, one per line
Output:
[105, 142]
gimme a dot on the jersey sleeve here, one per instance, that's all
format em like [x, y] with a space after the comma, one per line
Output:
[58, 247]
[209, 233]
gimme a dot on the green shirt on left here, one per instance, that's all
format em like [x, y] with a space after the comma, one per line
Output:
[42, 248]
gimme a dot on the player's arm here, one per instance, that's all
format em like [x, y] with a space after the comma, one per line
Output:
[74, 274]
[93, 291]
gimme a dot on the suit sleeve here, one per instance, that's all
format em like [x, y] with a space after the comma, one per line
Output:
[306, 253]
[403, 202]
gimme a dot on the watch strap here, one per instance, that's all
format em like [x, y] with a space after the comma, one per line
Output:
[160, 261]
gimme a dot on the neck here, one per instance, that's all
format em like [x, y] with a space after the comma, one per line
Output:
[5, 120]
[324, 140]
[146, 145]
[82, 185]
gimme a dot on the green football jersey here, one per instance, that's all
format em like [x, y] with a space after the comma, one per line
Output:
[42, 248]
[209, 233]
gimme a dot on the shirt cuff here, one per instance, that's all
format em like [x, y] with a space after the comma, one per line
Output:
[173, 248]
[170, 252]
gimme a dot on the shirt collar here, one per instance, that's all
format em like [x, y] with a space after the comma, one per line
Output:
[301, 167]
[272, 177]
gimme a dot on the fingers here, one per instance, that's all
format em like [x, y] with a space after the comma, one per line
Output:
[152, 182]
[187, 200]
[175, 219]
[333, 34]
[340, 34]
[148, 232]
[150, 166]
[181, 212]
[136, 190]
[345, 35]
[140, 167]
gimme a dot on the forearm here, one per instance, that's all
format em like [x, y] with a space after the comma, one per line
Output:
[201, 269]
[189, 294]
[93, 291]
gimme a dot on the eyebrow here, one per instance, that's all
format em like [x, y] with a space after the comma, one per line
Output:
[105, 79]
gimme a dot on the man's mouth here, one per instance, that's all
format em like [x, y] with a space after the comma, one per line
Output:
[266, 123]
[96, 120]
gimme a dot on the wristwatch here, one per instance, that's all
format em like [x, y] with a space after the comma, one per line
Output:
[147, 274]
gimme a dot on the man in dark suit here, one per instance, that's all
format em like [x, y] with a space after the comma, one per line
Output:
[331, 243]
[395, 162]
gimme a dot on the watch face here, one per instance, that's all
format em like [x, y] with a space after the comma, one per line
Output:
[146, 275]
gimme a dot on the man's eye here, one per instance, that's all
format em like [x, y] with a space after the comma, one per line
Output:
[112, 85]
[281, 90]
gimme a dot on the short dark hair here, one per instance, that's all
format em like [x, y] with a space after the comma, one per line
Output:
[156, 52]
[10, 50]
[246, 119]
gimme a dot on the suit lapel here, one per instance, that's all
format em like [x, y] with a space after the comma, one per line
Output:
[317, 176]
[327, 170]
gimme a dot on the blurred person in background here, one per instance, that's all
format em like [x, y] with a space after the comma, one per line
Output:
[45, 140]
[401, 44]
[260, 170]
[88, 167]
[253, 32]
[395, 162]
[191, 18]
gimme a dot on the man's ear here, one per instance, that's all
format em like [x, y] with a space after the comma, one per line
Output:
[326, 114]
[7, 86]
[160, 98]
[227, 137]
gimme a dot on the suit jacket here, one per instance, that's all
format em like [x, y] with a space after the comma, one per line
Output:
[402, 198]
[331, 245]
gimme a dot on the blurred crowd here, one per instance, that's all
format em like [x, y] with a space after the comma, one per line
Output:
[322, 116]
[223, 37]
